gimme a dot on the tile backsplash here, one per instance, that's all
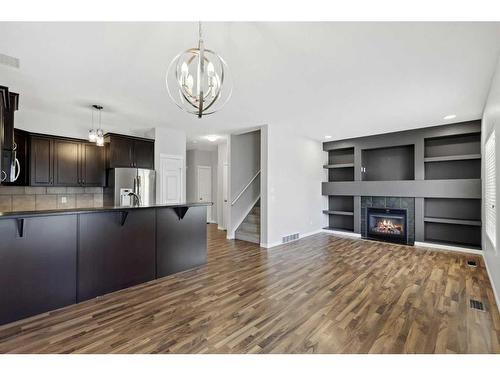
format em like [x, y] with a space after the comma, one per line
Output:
[30, 198]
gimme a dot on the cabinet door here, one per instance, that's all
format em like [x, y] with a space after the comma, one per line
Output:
[66, 163]
[181, 243]
[38, 270]
[92, 164]
[144, 154]
[41, 161]
[113, 256]
[121, 152]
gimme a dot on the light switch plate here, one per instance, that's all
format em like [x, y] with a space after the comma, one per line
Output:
[64, 200]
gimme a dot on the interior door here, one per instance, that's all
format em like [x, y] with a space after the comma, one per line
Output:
[205, 188]
[225, 195]
[171, 175]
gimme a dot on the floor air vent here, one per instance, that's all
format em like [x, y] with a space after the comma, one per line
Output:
[476, 305]
[291, 237]
[472, 263]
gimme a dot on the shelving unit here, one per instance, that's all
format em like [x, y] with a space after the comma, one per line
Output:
[340, 164]
[389, 163]
[453, 221]
[444, 179]
[340, 213]
[453, 157]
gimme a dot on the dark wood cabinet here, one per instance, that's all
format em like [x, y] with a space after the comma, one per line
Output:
[92, 165]
[41, 161]
[181, 244]
[115, 252]
[65, 162]
[129, 152]
[144, 154]
[9, 102]
[37, 270]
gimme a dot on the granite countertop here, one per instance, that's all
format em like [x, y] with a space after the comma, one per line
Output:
[69, 211]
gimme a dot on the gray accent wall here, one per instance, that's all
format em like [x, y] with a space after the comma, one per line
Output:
[435, 167]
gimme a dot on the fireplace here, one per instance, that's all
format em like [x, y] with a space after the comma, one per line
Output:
[387, 224]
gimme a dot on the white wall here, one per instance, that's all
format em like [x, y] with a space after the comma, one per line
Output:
[195, 158]
[294, 176]
[170, 142]
[491, 121]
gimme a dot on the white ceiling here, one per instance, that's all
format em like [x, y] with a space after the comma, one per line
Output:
[317, 79]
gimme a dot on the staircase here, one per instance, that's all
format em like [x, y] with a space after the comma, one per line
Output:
[249, 229]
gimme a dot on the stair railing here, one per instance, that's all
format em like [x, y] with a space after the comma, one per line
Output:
[245, 188]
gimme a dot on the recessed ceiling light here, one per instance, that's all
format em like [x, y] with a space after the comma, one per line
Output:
[449, 117]
[328, 136]
[212, 137]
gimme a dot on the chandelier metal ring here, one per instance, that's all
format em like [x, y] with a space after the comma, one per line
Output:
[196, 80]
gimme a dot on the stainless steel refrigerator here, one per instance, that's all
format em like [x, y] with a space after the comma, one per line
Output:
[130, 186]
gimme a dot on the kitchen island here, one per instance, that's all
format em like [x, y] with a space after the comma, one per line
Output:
[54, 258]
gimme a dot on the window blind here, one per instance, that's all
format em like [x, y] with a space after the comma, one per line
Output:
[490, 187]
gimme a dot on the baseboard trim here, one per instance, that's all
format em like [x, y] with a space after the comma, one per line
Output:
[340, 233]
[457, 249]
[495, 294]
[274, 244]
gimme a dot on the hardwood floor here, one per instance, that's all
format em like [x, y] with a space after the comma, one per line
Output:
[321, 294]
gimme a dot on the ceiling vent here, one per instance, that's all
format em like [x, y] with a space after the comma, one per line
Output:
[7, 60]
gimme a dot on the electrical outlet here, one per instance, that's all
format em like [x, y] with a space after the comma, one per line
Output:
[64, 200]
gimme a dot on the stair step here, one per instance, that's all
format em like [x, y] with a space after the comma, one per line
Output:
[255, 210]
[251, 218]
[250, 227]
[246, 236]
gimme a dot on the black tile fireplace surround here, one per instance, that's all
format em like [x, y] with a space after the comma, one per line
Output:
[399, 215]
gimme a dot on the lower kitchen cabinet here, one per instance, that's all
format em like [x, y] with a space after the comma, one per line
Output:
[181, 243]
[116, 250]
[37, 265]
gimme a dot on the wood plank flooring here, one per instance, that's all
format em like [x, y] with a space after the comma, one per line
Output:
[321, 294]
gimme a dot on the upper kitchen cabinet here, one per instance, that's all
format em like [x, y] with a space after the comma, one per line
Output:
[41, 161]
[129, 152]
[92, 165]
[9, 103]
[144, 153]
[65, 162]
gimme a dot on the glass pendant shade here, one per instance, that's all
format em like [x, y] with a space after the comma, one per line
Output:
[198, 81]
[92, 135]
[96, 136]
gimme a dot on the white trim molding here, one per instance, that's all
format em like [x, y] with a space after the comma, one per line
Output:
[457, 249]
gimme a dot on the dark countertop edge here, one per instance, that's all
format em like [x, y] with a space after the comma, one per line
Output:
[92, 210]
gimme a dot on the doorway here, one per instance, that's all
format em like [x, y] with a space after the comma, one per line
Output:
[204, 178]
[171, 178]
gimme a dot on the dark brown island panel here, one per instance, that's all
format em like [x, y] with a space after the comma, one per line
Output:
[51, 259]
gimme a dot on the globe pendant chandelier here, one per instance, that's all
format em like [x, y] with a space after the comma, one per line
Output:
[198, 81]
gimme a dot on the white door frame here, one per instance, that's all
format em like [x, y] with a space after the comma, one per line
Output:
[163, 157]
[210, 209]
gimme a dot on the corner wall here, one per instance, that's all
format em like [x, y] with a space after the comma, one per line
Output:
[294, 176]
[491, 121]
